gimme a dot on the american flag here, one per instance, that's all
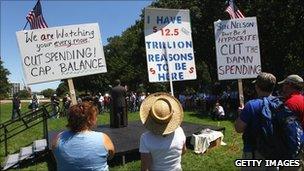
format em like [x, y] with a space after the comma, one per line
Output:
[35, 17]
[234, 12]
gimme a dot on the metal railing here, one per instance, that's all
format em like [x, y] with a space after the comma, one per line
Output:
[27, 120]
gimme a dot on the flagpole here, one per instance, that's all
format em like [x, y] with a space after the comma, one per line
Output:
[240, 83]
[25, 84]
[26, 19]
[232, 6]
[25, 26]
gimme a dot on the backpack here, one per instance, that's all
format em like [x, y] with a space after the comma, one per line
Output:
[280, 134]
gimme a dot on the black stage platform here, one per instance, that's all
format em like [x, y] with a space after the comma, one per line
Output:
[126, 140]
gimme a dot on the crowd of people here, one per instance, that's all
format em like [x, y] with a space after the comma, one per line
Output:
[163, 144]
[203, 102]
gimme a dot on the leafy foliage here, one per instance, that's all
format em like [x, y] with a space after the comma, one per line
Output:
[48, 92]
[62, 89]
[5, 85]
[24, 94]
[281, 35]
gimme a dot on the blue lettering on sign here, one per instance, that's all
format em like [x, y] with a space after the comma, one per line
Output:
[174, 76]
[161, 67]
[180, 66]
[170, 57]
[236, 24]
[168, 45]
[222, 26]
[168, 19]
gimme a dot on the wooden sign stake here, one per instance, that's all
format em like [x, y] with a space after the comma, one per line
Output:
[241, 93]
[72, 91]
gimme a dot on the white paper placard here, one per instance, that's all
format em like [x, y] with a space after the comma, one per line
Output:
[169, 43]
[237, 48]
[61, 52]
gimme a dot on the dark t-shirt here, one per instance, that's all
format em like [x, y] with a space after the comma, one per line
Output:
[16, 103]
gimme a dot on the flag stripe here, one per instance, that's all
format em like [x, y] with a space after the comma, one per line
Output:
[236, 13]
[35, 17]
[240, 14]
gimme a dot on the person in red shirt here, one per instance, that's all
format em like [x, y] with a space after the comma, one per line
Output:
[291, 91]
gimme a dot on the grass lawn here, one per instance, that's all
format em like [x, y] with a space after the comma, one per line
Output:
[220, 158]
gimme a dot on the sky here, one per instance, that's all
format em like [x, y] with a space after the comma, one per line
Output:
[113, 18]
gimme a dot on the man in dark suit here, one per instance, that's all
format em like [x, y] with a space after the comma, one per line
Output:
[118, 117]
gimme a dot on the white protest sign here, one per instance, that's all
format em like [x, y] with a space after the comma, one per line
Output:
[169, 44]
[61, 52]
[237, 48]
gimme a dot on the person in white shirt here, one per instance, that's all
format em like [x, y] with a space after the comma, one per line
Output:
[219, 112]
[163, 144]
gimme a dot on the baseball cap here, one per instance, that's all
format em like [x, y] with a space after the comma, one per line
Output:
[292, 79]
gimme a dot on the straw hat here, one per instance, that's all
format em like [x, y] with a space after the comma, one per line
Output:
[161, 113]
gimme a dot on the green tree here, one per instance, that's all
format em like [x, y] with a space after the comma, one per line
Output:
[281, 37]
[48, 92]
[24, 94]
[62, 89]
[5, 85]
[92, 83]
[281, 33]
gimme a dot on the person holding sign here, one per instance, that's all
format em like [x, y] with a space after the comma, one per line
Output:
[118, 117]
[247, 122]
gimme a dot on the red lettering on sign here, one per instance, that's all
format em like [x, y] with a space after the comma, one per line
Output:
[191, 70]
[152, 70]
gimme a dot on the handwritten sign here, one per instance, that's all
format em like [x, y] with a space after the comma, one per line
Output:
[61, 52]
[237, 48]
[169, 45]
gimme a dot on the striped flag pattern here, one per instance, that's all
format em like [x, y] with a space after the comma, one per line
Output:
[35, 17]
[236, 13]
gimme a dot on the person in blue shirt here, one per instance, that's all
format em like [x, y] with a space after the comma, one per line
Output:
[248, 118]
[80, 148]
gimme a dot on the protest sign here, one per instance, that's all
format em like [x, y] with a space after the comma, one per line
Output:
[237, 48]
[61, 52]
[169, 46]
